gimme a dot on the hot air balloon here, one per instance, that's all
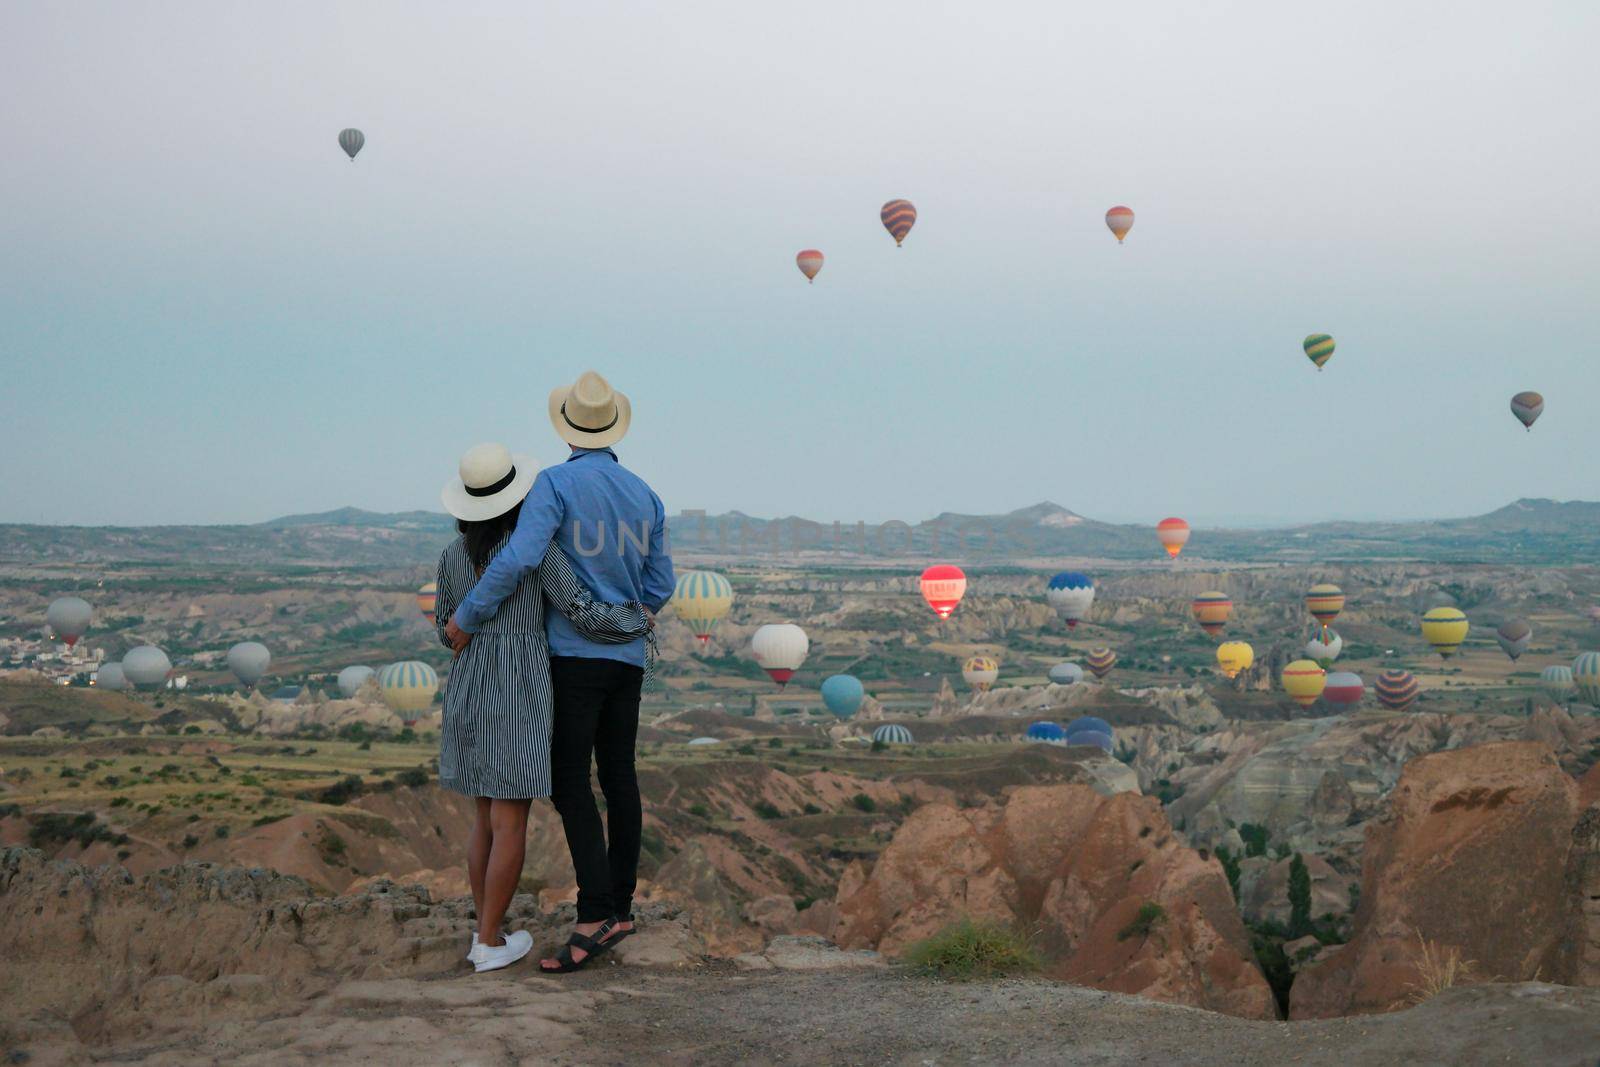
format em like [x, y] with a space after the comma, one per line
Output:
[1071, 594]
[1324, 645]
[1445, 629]
[1066, 674]
[1088, 730]
[1233, 657]
[1527, 407]
[1325, 601]
[1303, 681]
[898, 217]
[1211, 611]
[68, 618]
[1048, 733]
[351, 679]
[1514, 636]
[1174, 534]
[1343, 689]
[427, 598]
[351, 141]
[1100, 661]
[1119, 220]
[1586, 677]
[981, 672]
[110, 677]
[809, 261]
[700, 742]
[702, 599]
[780, 648]
[1558, 682]
[408, 688]
[892, 734]
[248, 660]
[146, 667]
[1396, 689]
[842, 693]
[943, 586]
[1319, 348]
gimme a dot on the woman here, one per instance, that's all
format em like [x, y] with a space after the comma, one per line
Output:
[495, 741]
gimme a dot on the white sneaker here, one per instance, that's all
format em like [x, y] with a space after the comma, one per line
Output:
[493, 957]
[474, 947]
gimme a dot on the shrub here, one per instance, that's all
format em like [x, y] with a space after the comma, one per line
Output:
[191, 729]
[766, 809]
[1255, 839]
[61, 827]
[265, 819]
[343, 791]
[864, 802]
[412, 777]
[222, 831]
[812, 809]
[700, 811]
[1230, 867]
[1150, 913]
[774, 742]
[189, 841]
[119, 802]
[879, 746]
[970, 949]
[1299, 897]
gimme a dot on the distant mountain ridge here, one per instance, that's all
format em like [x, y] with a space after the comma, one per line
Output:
[1527, 530]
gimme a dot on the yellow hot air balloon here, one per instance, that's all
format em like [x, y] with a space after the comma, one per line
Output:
[1303, 680]
[1235, 656]
[981, 672]
[408, 688]
[1445, 629]
[702, 599]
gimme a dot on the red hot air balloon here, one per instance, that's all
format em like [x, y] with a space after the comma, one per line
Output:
[1174, 534]
[943, 586]
[1120, 220]
[809, 261]
[898, 217]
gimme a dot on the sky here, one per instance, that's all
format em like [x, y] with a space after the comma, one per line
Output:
[208, 314]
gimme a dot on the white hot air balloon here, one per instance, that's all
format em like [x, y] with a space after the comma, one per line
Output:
[1324, 646]
[1066, 674]
[351, 679]
[146, 667]
[248, 660]
[110, 677]
[68, 618]
[780, 648]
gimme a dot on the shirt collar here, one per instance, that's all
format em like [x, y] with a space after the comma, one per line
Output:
[580, 453]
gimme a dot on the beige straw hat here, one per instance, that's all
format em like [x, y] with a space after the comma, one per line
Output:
[491, 482]
[589, 413]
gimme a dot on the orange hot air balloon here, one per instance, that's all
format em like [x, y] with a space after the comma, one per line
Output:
[1120, 220]
[943, 586]
[1174, 534]
[898, 216]
[810, 263]
[427, 596]
[1211, 611]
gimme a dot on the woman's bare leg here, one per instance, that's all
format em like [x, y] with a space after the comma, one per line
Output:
[478, 853]
[508, 820]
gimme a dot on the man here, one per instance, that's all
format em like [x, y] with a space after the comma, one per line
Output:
[613, 528]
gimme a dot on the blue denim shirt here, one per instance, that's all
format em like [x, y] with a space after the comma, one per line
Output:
[611, 526]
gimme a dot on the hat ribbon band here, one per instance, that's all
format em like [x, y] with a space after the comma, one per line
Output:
[491, 490]
[616, 413]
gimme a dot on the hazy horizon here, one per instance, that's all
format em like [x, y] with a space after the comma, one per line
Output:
[209, 315]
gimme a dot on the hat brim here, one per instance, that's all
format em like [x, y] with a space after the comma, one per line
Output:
[463, 505]
[582, 438]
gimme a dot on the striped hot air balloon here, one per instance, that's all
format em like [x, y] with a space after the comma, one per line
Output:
[780, 648]
[1343, 689]
[1527, 407]
[1319, 348]
[1445, 629]
[981, 672]
[351, 141]
[702, 599]
[809, 261]
[1586, 677]
[1396, 689]
[1557, 681]
[943, 585]
[893, 734]
[1100, 661]
[898, 217]
[1119, 220]
[1324, 645]
[1514, 636]
[1304, 681]
[1325, 600]
[1211, 611]
[408, 688]
[427, 599]
[1173, 534]
[1047, 733]
[1233, 657]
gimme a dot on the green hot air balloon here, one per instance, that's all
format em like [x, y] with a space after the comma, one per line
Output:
[351, 141]
[1319, 348]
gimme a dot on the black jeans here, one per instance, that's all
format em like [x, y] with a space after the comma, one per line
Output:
[597, 711]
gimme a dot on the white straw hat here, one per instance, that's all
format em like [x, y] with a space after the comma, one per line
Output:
[589, 413]
[492, 481]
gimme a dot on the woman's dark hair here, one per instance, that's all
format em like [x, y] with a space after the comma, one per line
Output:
[483, 537]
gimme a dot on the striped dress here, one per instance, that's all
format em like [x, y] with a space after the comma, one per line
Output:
[498, 705]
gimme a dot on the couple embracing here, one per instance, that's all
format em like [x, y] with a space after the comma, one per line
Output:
[547, 599]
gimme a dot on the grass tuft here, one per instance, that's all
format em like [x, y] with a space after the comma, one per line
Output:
[974, 949]
[1150, 913]
[1438, 969]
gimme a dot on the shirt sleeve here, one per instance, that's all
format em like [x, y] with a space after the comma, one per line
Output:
[598, 620]
[542, 511]
[658, 576]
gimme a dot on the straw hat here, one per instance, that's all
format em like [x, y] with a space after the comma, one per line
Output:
[492, 481]
[589, 413]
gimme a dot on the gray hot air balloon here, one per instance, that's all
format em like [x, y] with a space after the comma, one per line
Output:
[351, 141]
[1514, 635]
[146, 666]
[249, 661]
[351, 679]
[68, 618]
[110, 677]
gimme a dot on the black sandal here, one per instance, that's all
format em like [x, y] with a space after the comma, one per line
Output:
[620, 934]
[592, 947]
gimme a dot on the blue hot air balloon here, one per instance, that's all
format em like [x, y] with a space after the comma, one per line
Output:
[842, 693]
[892, 734]
[1071, 595]
[1089, 730]
[1049, 733]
